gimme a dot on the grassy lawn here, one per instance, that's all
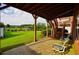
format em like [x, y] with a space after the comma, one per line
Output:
[14, 39]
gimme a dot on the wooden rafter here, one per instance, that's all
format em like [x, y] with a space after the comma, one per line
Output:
[45, 10]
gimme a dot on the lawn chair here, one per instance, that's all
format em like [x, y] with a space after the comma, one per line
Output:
[61, 48]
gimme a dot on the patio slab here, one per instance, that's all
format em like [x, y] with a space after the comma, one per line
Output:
[43, 47]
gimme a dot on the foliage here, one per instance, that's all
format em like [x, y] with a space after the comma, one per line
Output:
[44, 32]
[1, 24]
[24, 27]
[8, 25]
[41, 26]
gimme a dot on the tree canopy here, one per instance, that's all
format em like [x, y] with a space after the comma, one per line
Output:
[2, 24]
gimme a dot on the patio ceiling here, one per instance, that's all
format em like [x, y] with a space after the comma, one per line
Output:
[46, 10]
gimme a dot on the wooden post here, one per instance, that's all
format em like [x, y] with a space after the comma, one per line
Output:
[72, 26]
[52, 28]
[51, 32]
[76, 13]
[73, 23]
[63, 30]
[55, 22]
[35, 33]
[41, 34]
[47, 31]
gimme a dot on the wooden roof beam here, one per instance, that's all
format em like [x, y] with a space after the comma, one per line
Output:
[47, 9]
[36, 6]
[62, 13]
[4, 7]
[56, 10]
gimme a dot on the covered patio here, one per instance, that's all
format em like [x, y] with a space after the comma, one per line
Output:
[51, 12]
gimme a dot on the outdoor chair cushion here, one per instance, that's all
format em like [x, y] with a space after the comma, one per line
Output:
[58, 47]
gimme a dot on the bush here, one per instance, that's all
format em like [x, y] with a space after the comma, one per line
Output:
[49, 32]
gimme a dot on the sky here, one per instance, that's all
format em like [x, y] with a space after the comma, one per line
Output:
[15, 16]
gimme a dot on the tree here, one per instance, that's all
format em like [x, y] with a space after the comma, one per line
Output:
[41, 26]
[2, 24]
[8, 25]
[28, 26]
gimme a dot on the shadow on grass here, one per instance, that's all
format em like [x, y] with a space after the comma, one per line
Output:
[28, 51]
[10, 47]
[10, 35]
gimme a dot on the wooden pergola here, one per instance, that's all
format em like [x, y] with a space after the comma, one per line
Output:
[50, 11]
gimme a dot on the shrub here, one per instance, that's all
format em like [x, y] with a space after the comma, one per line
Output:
[49, 32]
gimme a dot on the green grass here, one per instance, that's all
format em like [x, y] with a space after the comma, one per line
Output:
[14, 39]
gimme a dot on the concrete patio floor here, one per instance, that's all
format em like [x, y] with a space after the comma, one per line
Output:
[43, 47]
